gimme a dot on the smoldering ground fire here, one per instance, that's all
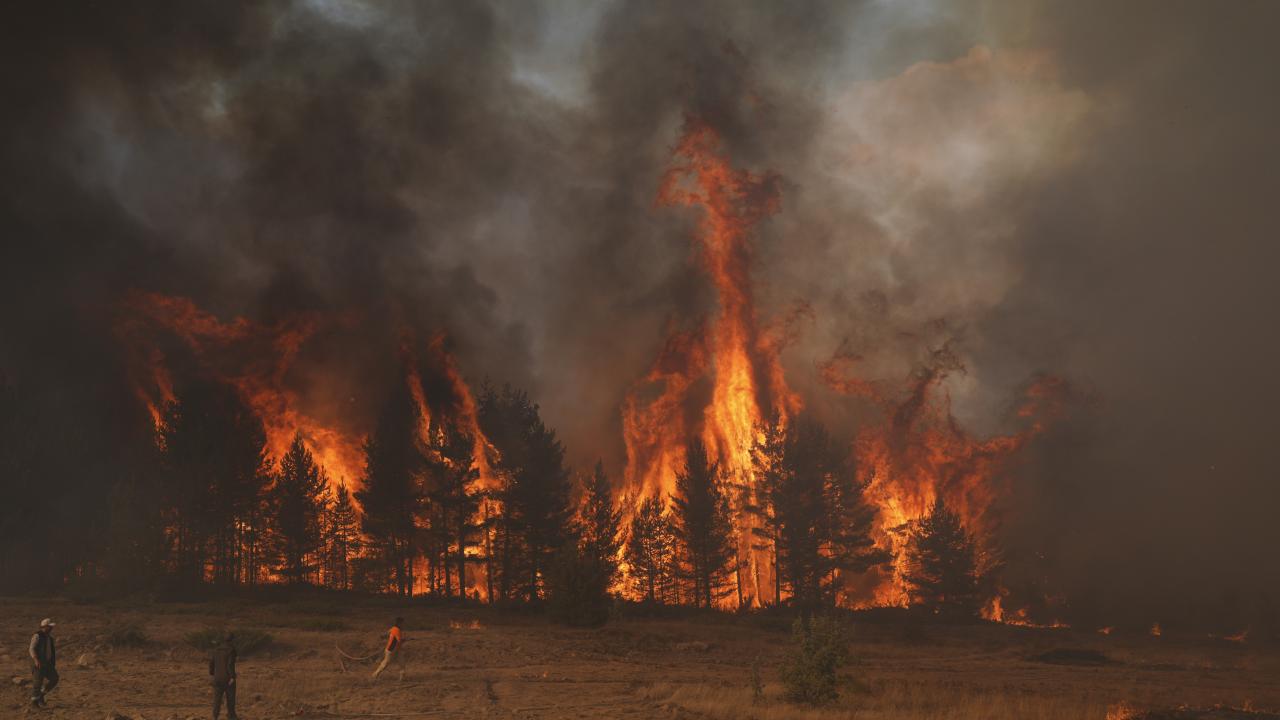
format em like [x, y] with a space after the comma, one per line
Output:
[980, 256]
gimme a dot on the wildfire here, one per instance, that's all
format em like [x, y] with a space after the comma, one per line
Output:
[717, 381]
[256, 359]
[461, 403]
[252, 357]
[732, 351]
[460, 408]
[919, 451]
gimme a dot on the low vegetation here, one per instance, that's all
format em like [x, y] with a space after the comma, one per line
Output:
[126, 634]
[811, 673]
[1073, 656]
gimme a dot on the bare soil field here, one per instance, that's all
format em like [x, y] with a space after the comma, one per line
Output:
[476, 662]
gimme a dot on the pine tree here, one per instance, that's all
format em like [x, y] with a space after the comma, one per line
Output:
[942, 572]
[701, 522]
[390, 495]
[764, 497]
[816, 518]
[454, 501]
[534, 498]
[577, 587]
[216, 471]
[60, 460]
[848, 548]
[601, 524]
[297, 502]
[136, 546]
[342, 541]
[650, 550]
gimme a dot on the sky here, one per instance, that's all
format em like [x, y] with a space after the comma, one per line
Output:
[1084, 190]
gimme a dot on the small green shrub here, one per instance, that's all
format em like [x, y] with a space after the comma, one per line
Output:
[126, 635]
[248, 640]
[757, 682]
[821, 648]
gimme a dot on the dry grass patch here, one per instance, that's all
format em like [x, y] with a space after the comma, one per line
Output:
[890, 701]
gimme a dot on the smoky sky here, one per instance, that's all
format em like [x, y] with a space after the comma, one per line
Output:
[1084, 190]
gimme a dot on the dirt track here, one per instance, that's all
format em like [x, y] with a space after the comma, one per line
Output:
[475, 663]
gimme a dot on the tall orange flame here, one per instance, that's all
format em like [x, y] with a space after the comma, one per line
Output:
[747, 382]
[920, 452]
[267, 354]
[915, 454]
[263, 356]
[462, 405]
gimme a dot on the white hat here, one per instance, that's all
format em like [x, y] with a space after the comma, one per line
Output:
[47, 622]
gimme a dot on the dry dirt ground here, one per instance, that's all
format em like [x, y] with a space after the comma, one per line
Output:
[473, 662]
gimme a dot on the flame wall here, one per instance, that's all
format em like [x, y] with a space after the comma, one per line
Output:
[1081, 192]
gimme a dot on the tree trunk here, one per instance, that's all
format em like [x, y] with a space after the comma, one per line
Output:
[777, 575]
[488, 555]
[462, 558]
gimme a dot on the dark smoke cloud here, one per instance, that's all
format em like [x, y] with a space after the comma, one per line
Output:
[1148, 271]
[1083, 191]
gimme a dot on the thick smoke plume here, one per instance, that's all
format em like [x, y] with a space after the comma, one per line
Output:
[1083, 193]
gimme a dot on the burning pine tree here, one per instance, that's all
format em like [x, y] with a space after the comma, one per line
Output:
[733, 497]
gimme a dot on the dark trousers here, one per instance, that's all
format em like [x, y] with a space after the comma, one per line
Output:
[43, 679]
[227, 690]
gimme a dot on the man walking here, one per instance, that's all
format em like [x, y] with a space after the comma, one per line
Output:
[44, 659]
[222, 670]
[392, 652]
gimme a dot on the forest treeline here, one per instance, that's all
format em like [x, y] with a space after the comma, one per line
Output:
[200, 505]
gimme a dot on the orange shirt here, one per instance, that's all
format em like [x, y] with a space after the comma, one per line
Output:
[393, 639]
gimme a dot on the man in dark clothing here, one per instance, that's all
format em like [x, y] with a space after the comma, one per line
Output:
[44, 663]
[222, 670]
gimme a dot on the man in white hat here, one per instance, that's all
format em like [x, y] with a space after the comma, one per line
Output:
[44, 658]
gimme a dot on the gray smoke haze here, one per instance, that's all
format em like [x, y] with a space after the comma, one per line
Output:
[1082, 190]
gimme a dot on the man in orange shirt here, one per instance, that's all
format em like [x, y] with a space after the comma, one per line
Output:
[392, 652]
